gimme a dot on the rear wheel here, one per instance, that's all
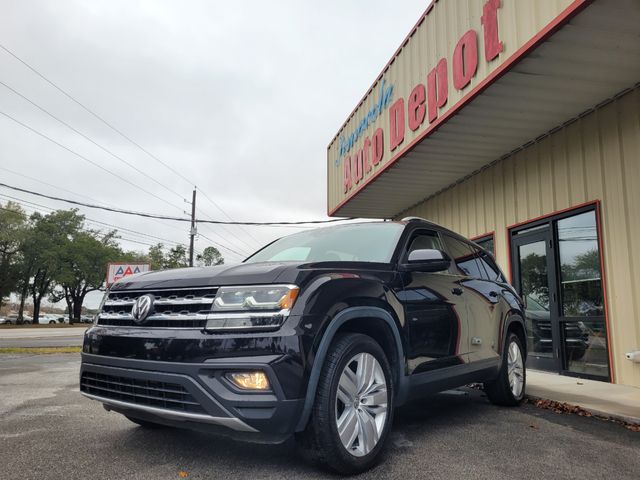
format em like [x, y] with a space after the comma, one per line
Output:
[353, 410]
[508, 389]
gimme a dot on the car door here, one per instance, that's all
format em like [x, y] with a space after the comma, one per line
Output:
[435, 313]
[482, 298]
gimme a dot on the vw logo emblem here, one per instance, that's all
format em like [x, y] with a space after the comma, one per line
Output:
[142, 308]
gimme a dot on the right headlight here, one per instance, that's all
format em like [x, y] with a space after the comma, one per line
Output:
[257, 307]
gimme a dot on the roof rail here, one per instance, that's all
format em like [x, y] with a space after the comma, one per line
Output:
[413, 219]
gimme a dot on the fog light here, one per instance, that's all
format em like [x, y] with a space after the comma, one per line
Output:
[249, 380]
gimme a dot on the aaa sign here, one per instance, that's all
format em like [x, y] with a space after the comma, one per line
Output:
[116, 271]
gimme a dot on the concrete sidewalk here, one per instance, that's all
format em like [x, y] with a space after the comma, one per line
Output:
[599, 398]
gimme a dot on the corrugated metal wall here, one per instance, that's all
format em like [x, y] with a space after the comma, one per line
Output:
[597, 157]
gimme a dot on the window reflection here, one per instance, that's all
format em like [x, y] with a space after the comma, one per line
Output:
[580, 278]
[585, 344]
[534, 283]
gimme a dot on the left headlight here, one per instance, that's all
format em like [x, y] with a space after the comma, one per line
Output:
[260, 307]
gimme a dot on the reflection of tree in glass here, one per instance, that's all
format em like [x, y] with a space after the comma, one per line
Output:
[586, 265]
[581, 286]
[533, 271]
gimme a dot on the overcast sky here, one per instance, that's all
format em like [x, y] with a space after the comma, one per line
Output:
[241, 98]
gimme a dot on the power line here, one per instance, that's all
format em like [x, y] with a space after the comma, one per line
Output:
[80, 195]
[240, 255]
[45, 209]
[96, 164]
[119, 132]
[42, 109]
[103, 234]
[226, 214]
[164, 217]
[91, 112]
[159, 222]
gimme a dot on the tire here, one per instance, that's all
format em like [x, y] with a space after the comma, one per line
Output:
[52, 322]
[145, 423]
[508, 390]
[320, 442]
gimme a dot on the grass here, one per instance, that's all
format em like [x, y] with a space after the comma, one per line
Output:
[40, 350]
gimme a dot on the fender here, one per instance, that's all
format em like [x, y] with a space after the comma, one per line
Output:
[513, 317]
[339, 320]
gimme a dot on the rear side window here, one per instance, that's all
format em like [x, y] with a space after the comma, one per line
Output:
[464, 257]
[491, 270]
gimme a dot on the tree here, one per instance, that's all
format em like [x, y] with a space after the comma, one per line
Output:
[176, 257]
[42, 251]
[84, 268]
[12, 232]
[210, 256]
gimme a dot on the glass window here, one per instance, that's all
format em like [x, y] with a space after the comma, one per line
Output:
[362, 242]
[585, 347]
[487, 243]
[488, 266]
[580, 277]
[534, 286]
[463, 257]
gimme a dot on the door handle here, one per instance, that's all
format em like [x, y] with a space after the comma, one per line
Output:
[457, 291]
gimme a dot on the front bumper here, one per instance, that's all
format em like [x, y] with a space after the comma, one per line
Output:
[193, 395]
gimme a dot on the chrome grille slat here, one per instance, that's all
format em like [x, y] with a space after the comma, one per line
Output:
[174, 308]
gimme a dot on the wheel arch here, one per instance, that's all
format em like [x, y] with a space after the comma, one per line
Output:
[372, 321]
[515, 324]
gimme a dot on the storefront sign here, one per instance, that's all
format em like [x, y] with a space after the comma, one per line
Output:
[424, 103]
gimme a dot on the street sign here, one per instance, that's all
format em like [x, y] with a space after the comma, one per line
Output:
[116, 271]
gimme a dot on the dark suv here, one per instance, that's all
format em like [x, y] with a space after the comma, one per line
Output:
[320, 334]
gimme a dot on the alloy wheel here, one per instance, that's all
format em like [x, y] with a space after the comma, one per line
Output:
[515, 366]
[361, 404]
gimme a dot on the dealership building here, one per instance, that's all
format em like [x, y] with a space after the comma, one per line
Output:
[517, 124]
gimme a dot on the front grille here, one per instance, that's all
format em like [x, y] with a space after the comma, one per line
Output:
[169, 396]
[173, 308]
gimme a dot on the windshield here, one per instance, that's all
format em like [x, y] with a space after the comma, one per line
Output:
[363, 242]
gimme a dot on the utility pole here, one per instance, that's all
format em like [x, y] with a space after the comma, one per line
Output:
[193, 227]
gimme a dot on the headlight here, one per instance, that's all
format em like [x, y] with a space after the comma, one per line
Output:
[260, 307]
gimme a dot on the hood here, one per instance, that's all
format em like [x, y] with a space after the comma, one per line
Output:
[242, 274]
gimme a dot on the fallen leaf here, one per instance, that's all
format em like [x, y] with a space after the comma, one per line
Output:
[183, 474]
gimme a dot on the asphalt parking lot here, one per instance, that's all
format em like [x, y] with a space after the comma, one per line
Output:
[48, 431]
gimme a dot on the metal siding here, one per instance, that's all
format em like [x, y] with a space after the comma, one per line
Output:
[594, 158]
[435, 38]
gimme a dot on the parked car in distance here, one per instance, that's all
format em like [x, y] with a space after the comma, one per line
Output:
[319, 335]
[4, 321]
[13, 319]
[48, 319]
[86, 319]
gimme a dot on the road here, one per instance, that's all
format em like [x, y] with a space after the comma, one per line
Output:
[48, 431]
[41, 337]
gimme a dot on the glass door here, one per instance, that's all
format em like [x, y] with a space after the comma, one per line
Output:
[557, 270]
[533, 264]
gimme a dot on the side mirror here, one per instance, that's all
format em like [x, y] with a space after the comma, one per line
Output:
[426, 260]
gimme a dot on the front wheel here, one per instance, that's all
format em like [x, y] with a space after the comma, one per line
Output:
[353, 410]
[508, 389]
